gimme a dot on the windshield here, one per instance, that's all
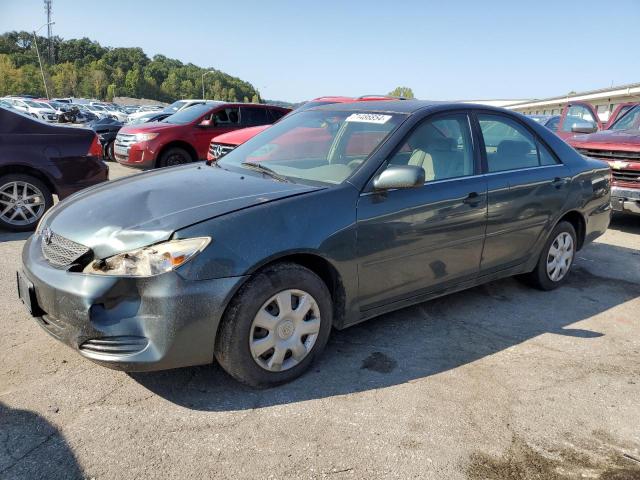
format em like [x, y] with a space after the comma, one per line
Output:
[32, 104]
[316, 146]
[188, 115]
[629, 120]
[175, 106]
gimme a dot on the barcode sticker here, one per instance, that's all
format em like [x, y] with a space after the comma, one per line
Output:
[368, 118]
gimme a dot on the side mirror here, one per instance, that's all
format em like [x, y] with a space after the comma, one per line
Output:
[207, 123]
[584, 127]
[399, 176]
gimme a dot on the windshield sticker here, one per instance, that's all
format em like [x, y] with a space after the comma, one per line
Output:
[368, 118]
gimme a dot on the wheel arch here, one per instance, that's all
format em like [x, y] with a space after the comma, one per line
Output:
[27, 170]
[313, 261]
[577, 220]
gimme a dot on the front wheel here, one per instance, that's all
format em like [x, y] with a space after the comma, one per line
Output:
[174, 156]
[23, 201]
[556, 259]
[275, 326]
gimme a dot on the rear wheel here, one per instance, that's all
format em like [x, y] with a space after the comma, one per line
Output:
[275, 326]
[108, 151]
[23, 201]
[174, 156]
[556, 259]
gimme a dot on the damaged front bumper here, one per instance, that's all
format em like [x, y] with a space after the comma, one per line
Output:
[132, 324]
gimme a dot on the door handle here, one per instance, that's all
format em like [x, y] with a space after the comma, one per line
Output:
[558, 182]
[473, 199]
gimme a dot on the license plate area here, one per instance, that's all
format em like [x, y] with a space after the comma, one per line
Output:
[27, 293]
[122, 151]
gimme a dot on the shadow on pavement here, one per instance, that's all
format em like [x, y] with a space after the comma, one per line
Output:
[413, 343]
[31, 448]
[7, 236]
[625, 223]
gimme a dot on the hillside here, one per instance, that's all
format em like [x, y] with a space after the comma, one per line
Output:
[84, 68]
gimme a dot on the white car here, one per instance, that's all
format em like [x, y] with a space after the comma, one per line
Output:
[173, 108]
[103, 112]
[39, 110]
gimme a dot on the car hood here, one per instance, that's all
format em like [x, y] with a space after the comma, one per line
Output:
[149, 127]
[627, 138]
[147, 208]
[238, 137]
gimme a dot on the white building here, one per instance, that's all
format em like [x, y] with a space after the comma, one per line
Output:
[604, 100]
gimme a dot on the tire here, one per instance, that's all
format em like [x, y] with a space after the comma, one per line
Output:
[174, 156]
[239, 335]
[541, 277]
[108, 151]
[27, 213]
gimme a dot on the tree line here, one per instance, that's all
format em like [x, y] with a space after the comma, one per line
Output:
[84, 68]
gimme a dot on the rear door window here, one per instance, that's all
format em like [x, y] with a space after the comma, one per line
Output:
[509, 145]
[253, 116]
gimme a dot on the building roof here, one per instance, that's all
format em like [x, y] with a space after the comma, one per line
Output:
[614, 91]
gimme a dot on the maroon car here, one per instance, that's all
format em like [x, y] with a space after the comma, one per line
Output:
[38, 160]
[619, 145]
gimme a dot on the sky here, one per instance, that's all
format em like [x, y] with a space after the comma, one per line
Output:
[298, 50]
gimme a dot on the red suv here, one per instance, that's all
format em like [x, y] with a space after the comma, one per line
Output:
[184, 136]
[224, 143]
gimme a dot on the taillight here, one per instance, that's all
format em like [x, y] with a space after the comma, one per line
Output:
[95, 150]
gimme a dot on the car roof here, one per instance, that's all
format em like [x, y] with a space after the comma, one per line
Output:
[406, 106]
[393, 106]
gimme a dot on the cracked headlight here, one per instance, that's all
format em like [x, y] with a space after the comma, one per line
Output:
[149, 261]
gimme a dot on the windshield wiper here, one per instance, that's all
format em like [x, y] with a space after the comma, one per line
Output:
[262, 169]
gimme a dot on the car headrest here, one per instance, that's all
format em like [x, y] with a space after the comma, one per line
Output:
[513, 147]
[442, 144]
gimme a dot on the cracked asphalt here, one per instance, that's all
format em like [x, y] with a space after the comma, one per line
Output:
[497, 382]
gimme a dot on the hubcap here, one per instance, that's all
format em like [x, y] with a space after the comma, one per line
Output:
[21, 203]
[284, 330]
[560, 257]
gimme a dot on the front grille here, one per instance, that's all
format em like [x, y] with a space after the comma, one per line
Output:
[122, 345]
[609, 154]
[626, 175]
[218, 150]
[60, 251]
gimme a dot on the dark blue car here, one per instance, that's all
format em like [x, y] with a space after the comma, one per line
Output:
[330, 217]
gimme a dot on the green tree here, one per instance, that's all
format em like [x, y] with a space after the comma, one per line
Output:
[404, 92]
[87, 69]
[111, 92]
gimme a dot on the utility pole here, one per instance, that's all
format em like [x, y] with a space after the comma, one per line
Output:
[35, 40]
[47, 9]
[208, 71]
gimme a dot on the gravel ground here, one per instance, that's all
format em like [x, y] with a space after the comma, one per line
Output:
[498, 382]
